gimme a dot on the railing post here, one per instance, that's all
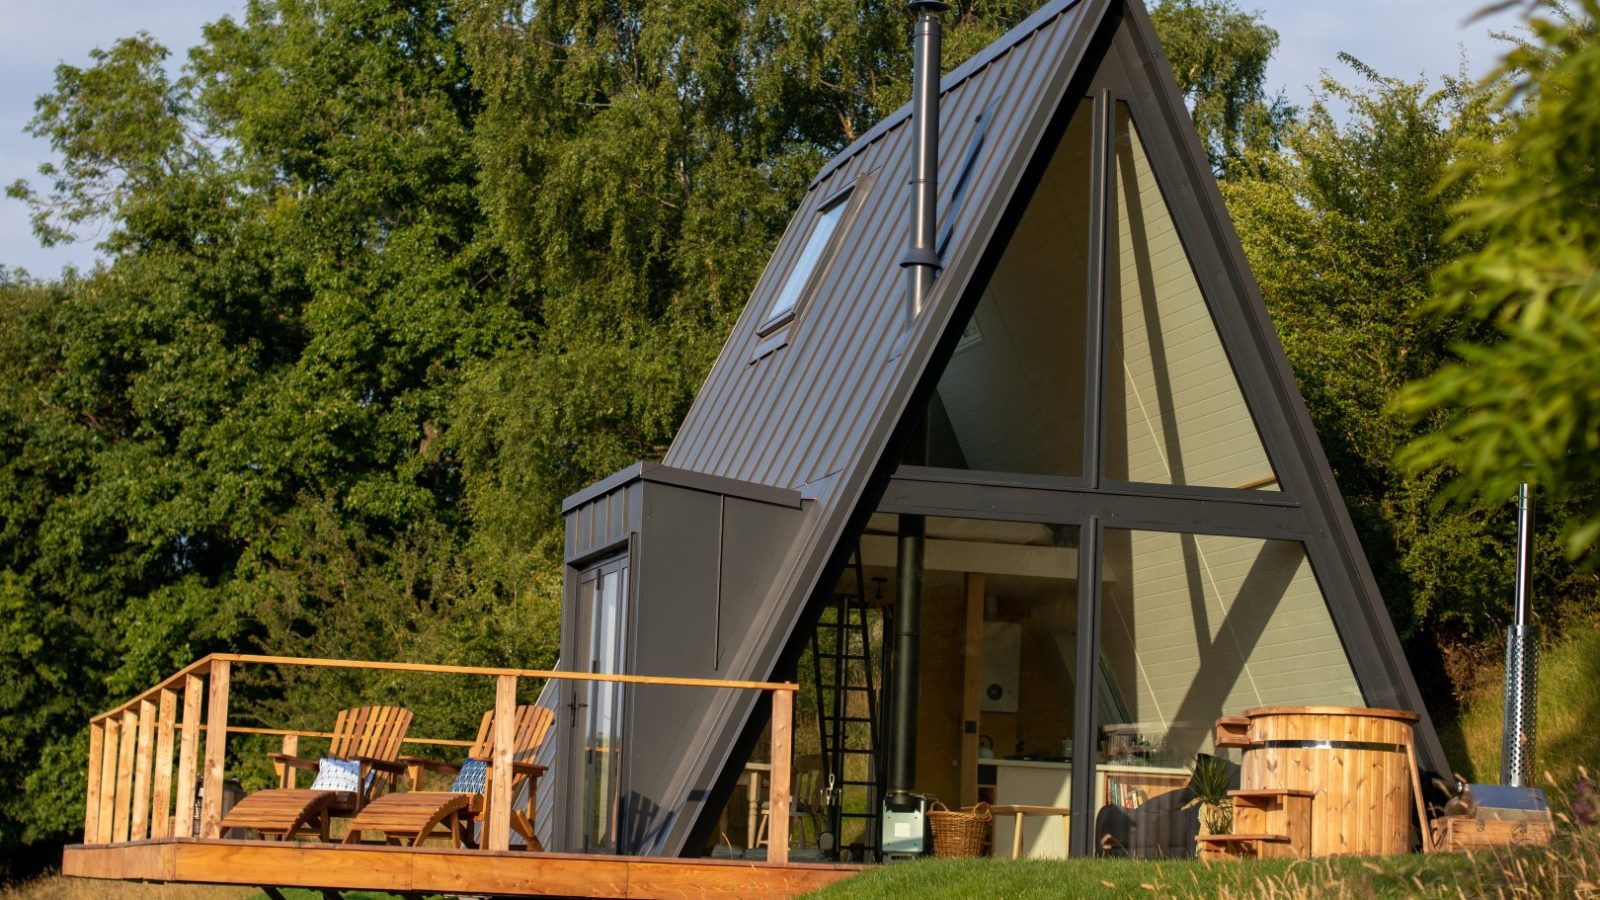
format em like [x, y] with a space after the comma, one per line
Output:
[143, 758]
[216, 750]
[91, 798]
[188, 754]
[128, 736]
[161, 790]
[505, 728]
[108, 780]
[778, 796]
[286, 772]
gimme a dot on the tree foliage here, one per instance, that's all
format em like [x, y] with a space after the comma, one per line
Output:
[1219, 55]
[1524, 405]
[386, 282]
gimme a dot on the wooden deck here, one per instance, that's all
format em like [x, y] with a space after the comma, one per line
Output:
[442, 870]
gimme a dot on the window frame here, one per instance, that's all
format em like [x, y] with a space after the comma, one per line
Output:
[772, 332]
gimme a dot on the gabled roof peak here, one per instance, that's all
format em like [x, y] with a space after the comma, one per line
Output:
[975, 64]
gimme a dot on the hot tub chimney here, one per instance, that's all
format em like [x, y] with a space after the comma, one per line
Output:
[921, 263]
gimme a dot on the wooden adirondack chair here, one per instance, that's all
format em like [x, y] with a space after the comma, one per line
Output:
[367, 735]
[414, 816]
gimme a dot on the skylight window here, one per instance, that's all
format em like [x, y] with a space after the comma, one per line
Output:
[800, 275]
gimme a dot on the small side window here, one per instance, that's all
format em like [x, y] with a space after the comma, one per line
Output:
[817, 247]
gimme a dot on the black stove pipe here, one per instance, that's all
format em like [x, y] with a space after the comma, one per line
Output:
[922, 267]
[921, 261]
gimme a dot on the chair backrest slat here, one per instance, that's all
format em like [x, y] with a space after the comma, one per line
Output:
[370, 731]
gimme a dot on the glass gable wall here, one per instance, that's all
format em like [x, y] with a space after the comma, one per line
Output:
[1187, 626]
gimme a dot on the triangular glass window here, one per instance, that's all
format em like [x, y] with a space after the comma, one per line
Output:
[1174, 411]
[1011, 398]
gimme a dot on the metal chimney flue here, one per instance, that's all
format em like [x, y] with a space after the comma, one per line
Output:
[921, 261]
[1522, 661]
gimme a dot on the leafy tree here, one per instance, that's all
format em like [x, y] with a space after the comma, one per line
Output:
[1219, 55]
[1523, 405]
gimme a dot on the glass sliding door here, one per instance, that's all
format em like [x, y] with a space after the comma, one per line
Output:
[598, 706]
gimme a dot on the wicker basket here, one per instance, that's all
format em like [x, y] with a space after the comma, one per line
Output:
[959, 834]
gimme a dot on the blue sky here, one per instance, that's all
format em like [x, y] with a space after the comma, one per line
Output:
[1406, 38]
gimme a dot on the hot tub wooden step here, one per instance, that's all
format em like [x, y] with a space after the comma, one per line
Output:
[1245, 846]
[1233, 731]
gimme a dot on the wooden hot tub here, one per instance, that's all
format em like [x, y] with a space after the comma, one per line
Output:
[1354, 761]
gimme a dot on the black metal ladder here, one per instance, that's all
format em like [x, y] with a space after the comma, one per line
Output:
[847, 711]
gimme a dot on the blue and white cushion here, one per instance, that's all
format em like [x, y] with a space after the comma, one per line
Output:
[471, 779]
[339, 775]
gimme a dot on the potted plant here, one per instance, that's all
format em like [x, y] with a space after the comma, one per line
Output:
[1208, 789]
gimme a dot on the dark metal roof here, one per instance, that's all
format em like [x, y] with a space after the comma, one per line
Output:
[803, 412]
[817, 415]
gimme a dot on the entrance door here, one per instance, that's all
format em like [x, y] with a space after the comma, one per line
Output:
[597, 707]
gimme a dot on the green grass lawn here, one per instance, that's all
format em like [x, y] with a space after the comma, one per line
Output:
[1569, 868]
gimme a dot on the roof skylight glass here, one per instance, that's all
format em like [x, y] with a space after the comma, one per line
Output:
[800, 274]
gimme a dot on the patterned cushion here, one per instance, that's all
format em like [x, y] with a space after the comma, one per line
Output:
[339, 775]
[474, 773]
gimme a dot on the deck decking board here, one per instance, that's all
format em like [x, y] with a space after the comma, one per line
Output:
[442, 870]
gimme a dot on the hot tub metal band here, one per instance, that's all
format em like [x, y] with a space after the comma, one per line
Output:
[1332, 745]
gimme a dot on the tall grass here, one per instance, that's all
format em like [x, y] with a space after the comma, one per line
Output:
[1568, 716]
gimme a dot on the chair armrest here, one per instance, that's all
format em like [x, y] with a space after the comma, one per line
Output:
[294, 762]
[382, 765]
[528, 768]
[432, 765]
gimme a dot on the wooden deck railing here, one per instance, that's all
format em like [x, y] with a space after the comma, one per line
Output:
[139, 790]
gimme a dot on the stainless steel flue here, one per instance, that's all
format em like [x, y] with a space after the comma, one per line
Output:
[1522, 662]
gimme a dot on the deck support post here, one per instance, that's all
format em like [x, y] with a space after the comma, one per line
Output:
[500, 796]
[91, 804]
[161, 787]
[285, 772]
[216, 751]
[778, 783]
[188, 756]
[143, 768]
[127, 736]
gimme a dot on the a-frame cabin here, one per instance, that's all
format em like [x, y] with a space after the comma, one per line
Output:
[1081, 471]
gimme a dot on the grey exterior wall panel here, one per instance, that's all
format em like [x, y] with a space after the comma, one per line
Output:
[696, 542]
